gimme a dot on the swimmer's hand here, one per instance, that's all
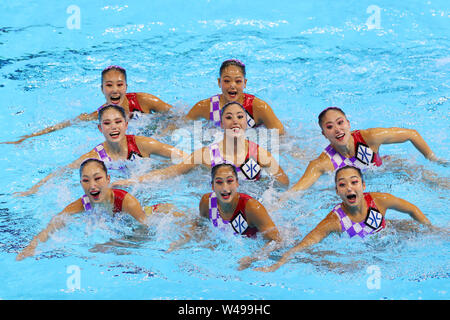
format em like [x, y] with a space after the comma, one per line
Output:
[14, 142]
[271, 268]
[246, 262]
[32, 190]
[440, 161]
[27, 252]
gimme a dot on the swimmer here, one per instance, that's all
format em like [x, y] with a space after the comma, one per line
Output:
[229, 210]
[359, 215]
[117, 146]
[94, 180]
[356, 148]
[247, 156]
[114, 87]
[232, 82]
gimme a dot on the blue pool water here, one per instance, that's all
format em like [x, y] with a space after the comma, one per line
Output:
[390, 69]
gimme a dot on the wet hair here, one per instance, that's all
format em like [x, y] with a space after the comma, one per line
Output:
[226, 105]
[232, 62]
[322, 114]
[111, 106]
[220, 165]
[115, 68]
[349, 167]
[89, 160]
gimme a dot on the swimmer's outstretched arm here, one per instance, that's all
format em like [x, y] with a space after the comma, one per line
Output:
[56, 223]
[387, 201]
[74, 165]
[315, 169]
[321, 231]
[258, 216]
[185, 166]
[59, 126]
[150, 146]
[378, 136]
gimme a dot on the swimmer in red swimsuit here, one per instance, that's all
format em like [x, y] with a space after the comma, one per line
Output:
[234, 148]
[94, 180]
[114, 87]
[359, 148]
[232, 83]
[360, 214]
[117, 146]
[237, 213]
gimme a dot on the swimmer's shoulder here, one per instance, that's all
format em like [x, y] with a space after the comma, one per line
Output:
[322, 163]
[204, 205]
[74, 207]
[199, 110]
[383, 200]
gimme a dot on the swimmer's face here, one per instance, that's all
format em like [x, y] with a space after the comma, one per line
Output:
[350, 187]
[336, 127]
[114, 87]
[234, 121]
[225, 184]
[113, 125]
[95, 182]
[232, 83]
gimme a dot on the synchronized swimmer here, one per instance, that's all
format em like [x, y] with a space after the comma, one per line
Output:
[247, 156]
[114, 87]
[94, 180]
[232, 82]
[359, 148]
[232, 159]
[118, 145]
[359, 215]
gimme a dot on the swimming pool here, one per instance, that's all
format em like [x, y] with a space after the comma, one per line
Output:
[387, 66]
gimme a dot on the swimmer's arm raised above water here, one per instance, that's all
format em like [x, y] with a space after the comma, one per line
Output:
[386, 201]
[56, 223]
[378, 136]
[328, 225]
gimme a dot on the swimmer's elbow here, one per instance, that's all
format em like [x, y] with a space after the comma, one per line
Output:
[283, 180]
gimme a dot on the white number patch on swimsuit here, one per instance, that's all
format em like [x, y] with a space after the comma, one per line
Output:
[250, 168]
[364, 154]
[374, 219]
[239, 224]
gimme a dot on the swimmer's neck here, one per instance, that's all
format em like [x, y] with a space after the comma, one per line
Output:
[116, 150]
[107, 202]
[348, 150]
[355, 211]
[226, 210]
